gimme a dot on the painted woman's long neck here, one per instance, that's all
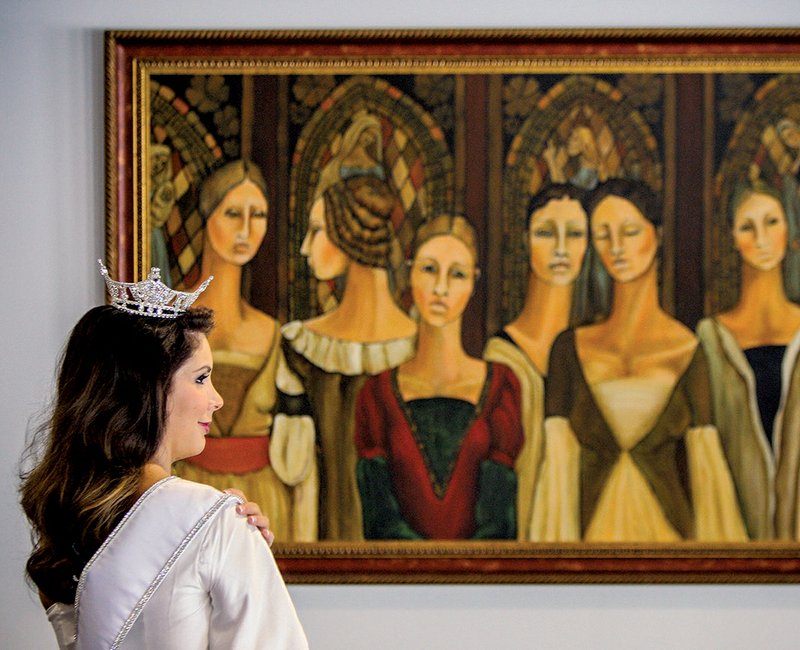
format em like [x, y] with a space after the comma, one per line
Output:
[762, 293]
[367, 292]
[546, 309]
[439, 351]
[223, 295]
[635, 306]
[368, 311]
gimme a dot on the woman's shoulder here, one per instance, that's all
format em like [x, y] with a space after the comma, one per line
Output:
[178, 488]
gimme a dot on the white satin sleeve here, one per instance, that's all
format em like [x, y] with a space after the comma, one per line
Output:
[716, 508]
[555, 515]
[62, 618]
[250, 605]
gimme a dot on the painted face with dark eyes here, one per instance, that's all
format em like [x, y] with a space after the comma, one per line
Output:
[236, 227]
[624, 239]
[760, 231]
[326, 260]
[557, 238]
[442, 279]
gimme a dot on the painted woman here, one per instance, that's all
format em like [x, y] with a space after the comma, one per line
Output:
[556, 239]
[437, 436]
[263, 443]
[753, 351]
[631, 454]
[349, 236]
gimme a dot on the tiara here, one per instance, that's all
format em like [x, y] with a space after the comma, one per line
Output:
[150, 297]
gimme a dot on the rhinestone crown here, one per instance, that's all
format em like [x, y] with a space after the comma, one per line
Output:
[150, 297]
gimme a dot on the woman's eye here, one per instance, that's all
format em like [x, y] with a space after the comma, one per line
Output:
[458, 274]
[428, 268]
[233, 213]
[746, 227]
[600, 236]
[202, 378]
[259, 214]
[771, 221]
[543, 232]
[631, 232]
[576, 234]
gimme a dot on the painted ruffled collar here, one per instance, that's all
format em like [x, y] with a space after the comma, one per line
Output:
[347, 357]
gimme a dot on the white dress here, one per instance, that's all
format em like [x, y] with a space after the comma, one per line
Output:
[528, 462]
[181, 570]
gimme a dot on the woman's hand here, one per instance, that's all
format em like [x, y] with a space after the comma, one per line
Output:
[254, 517]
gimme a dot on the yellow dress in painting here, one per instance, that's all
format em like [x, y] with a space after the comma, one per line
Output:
[286, 487]
[502, 350]
[627, 460]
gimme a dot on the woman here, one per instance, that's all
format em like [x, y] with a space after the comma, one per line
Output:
[127, 555]
[437, 437]
[257, 443]
[349, 235]
[557, 241]
[630, 452]
[753, 354]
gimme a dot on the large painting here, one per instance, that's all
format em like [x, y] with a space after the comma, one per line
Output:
[490, 306]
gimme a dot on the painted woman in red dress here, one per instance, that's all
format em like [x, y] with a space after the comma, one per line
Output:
[437, 436]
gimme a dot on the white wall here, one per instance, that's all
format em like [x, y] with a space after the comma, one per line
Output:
[51, 175]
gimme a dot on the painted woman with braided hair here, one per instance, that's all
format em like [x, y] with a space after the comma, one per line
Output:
[350, 236]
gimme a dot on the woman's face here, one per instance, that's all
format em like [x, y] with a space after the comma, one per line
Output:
[238, 224]
[557, 241]
[442, 279]
[326, 260]
[760, 232]
[623, 238]
[191, 403]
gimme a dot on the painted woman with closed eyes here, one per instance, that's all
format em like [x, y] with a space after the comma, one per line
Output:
[631, 453]
[753, 351]
[437, 437]
[349, 238]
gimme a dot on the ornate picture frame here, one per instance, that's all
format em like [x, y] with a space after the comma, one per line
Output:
[473, 122]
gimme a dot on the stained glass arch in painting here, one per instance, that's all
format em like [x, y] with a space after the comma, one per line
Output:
[414, 157]
[183, 151]
[582, 130]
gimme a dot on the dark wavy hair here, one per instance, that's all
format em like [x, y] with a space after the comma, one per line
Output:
[637, 192]
[106, 422]
[553, 192]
